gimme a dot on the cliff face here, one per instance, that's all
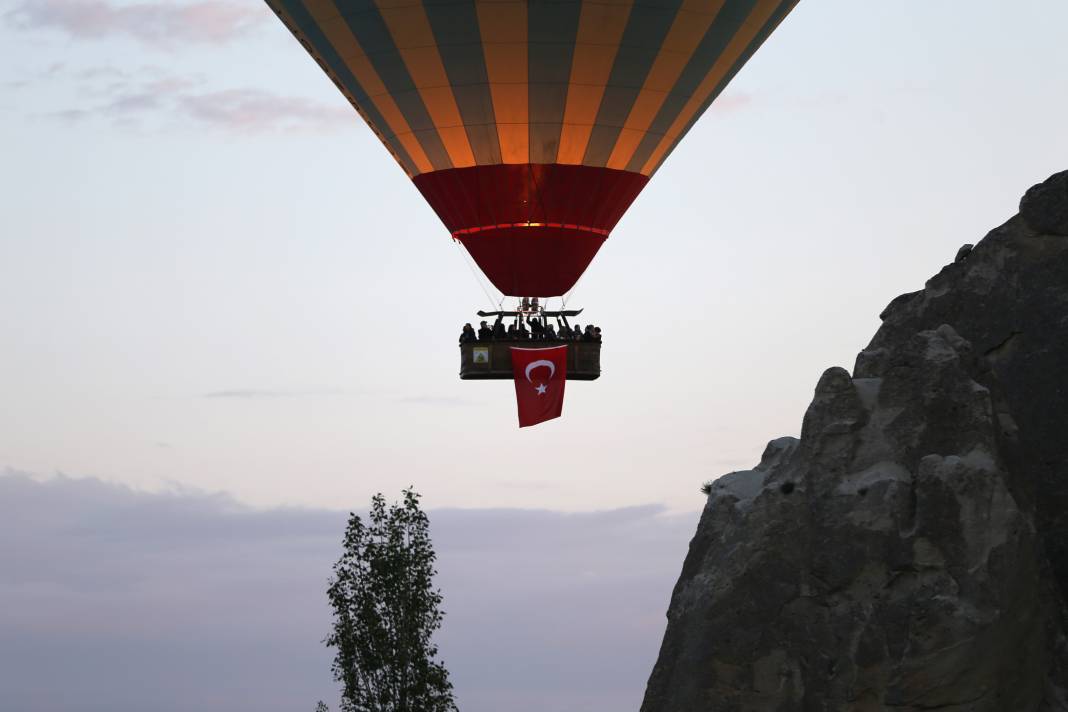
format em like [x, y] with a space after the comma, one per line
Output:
[910, 550]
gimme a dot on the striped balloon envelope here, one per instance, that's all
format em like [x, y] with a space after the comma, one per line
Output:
[530, 126]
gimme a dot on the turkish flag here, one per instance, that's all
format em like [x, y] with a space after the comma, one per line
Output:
[539, 383]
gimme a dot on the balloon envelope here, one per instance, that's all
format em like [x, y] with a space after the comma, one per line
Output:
[530, 126]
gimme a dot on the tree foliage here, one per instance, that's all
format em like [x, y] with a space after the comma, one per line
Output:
[386, 611]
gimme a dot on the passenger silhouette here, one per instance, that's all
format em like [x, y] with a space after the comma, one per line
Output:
[468, 334]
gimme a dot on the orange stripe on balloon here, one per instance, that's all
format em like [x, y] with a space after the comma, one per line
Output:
[410, 28]
[503, 26]
[751, 27]
[600, 30]
[329, 19]
[687, 31]
[388, 141]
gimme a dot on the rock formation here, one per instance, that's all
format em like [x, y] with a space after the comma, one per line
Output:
[910, 551]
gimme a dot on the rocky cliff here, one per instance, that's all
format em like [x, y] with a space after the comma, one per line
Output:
[910, 550]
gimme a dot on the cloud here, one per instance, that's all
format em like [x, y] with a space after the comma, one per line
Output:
[161, 24]
[257, 394]
[438, 401]
[129, 97]
[731, 102]
[122, 599]
[248, 394]
[69, 115]
[254, 110]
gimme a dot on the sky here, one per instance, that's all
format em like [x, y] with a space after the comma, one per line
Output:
[212, 273]
[117, 600]
[215, 282]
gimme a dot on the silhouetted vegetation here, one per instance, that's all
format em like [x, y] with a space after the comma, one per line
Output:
[386, 611]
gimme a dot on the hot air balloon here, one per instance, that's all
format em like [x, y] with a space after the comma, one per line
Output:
[530, 126]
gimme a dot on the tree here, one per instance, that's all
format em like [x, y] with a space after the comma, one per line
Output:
[386, 611]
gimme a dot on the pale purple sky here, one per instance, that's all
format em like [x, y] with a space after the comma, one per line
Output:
[121, 601]
[213, 278]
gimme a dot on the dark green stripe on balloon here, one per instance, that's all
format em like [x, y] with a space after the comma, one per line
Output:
[777, 17]
[551, 30]
[370, 30]
[647, 27]
[455, 27]
[339, 72]
[726, 25]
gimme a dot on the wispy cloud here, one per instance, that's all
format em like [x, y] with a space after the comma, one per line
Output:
[254, 110]
[160, 24]
[526, 484]
[138, 97]
[41, 75]
[113, 590]
[262, 393]
[731, 102]
[68, 115]
[438, 401]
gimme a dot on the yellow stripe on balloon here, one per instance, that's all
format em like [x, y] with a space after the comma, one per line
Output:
[689, 28]
[503, 26]
[410, 28]
[328, 17]
[752, 26]
[600, 30]
[387, 141]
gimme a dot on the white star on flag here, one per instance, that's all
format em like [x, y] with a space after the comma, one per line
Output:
[541, 389]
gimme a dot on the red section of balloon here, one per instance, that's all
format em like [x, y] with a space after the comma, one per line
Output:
[532, 228]
[542, 261]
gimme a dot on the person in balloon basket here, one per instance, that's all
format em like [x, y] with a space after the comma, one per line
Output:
[537, 331]
[484, 332]
[521, 332]
[468, 334]
[588, 334]
[565, 333]
[499, 333]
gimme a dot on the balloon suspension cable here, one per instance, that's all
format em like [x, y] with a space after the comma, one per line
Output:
[565, 297]
[478, 277]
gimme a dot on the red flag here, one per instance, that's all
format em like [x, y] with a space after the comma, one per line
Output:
[539, 383]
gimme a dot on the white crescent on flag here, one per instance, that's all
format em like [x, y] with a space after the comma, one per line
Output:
[535, 364]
